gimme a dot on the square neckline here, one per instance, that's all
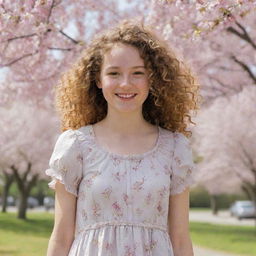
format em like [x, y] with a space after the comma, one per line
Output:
[125, 156]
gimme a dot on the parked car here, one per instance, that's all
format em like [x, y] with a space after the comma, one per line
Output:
[243, 209]
[48, 203]
[10, 201]
[32, 202]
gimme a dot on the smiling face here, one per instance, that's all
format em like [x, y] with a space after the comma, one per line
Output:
[124, 79]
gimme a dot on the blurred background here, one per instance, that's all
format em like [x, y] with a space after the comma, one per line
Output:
[42, 38]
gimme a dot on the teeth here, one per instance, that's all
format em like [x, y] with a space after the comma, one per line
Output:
[126, 95]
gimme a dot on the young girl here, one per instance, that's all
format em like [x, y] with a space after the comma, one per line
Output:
[123, 165]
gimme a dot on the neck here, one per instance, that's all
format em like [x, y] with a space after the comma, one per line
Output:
[125, 123]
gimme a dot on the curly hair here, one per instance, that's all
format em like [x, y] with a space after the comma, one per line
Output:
[173, 90]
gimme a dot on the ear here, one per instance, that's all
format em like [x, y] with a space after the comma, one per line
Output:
[99, 85]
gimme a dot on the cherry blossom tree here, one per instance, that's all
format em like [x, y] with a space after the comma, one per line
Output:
[27, 134]
[224, 138]
[41, 38]
[216, 37]
[37, 45]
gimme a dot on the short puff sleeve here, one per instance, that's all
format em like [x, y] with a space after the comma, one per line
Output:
[66, 162]
[183, 167]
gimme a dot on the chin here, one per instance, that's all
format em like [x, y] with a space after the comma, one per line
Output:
[128, 110]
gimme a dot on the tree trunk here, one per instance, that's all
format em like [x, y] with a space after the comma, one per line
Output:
[22, 208]
[214, 206]
[8, 180]
[250, 190]
[25, 184]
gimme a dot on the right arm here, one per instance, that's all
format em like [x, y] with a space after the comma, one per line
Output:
[64, 222]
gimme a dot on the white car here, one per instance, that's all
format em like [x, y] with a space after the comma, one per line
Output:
[48, 203]
[243, 209]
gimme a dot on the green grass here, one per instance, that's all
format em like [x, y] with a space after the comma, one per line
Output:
[239, 240]
[200, 209]
[25, 237]
[30, 237]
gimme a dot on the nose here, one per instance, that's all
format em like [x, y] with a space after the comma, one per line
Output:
[125, 81]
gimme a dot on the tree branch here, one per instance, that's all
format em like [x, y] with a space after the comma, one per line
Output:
[69, 37]
[244, 67]
[19, 37]
[224, 86]
[249, 162]
[16, 60]
[245, 36]
[60, 49]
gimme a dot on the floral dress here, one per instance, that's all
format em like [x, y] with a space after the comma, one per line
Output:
[122, 200]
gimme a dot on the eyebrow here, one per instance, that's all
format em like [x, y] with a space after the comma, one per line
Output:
[118, 67]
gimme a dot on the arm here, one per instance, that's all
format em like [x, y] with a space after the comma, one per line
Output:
[178, 222]
[64, 222]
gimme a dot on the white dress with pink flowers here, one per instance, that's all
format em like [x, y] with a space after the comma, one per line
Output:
[122, 200]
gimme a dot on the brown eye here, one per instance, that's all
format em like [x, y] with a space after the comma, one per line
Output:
[138, 73]
[112, 73]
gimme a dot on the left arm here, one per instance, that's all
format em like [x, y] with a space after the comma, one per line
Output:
[178, 223]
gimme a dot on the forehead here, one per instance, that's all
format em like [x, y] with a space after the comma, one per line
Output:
[122, 55]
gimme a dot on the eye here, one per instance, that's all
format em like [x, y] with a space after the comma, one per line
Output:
[112, 73]
[138, 73]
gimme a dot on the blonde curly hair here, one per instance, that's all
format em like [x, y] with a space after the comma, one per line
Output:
[173, 90]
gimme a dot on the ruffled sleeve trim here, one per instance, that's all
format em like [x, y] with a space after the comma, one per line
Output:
[66, 162]
[57, 177]
[183, 166]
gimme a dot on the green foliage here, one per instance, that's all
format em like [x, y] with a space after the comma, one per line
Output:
[199, 197]
[225, 201]
[14, 190]
[39, 191]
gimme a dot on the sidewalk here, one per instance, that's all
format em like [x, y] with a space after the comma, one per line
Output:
[199, 251]
[223, 217]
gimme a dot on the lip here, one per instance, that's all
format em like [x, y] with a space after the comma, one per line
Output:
[126, 99]
[125, 93]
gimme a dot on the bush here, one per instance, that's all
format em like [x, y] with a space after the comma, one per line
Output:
[199, 197]
[39, 191]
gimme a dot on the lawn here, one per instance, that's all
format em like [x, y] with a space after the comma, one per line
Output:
[234, 239]
[25, 238]
[30, 237]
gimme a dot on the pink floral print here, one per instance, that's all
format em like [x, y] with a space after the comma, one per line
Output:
[127, 199]
[96, 210]
[117, 209]
[138, 185]
[106, 193]
[122, 200]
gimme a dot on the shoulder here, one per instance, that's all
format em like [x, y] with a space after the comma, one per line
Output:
[177, 137]
[166, 133]
[179, 144]
[75, 135]
[180, 140]
[71, 139]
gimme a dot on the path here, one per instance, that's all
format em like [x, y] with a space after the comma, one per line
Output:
[223, 217]
[199, 251]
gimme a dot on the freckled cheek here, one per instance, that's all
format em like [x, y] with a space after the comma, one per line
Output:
[109, 89]
[144, 87]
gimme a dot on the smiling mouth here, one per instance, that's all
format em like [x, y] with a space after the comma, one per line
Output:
[126, 95]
